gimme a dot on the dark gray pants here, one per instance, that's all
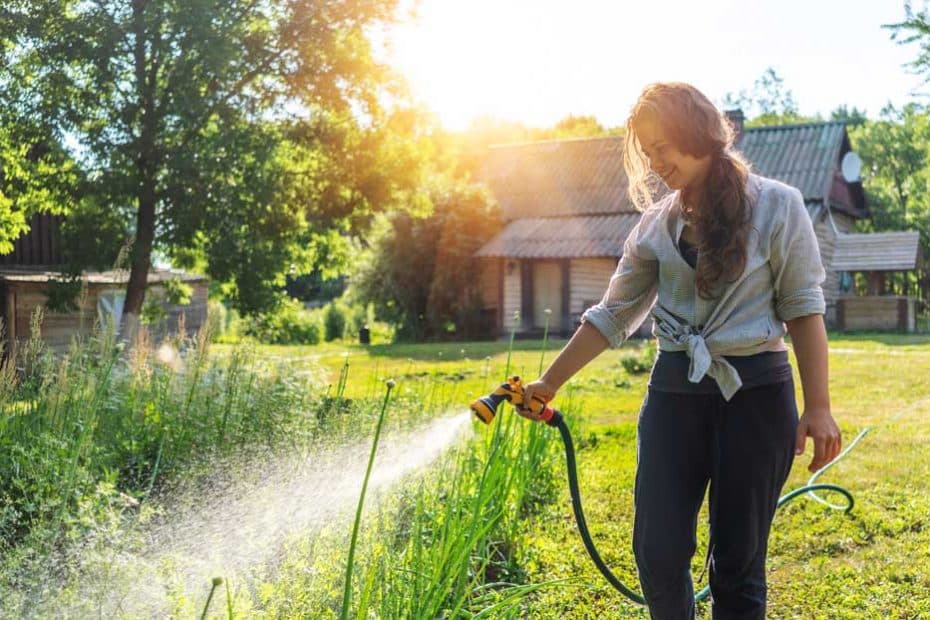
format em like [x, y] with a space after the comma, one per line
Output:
[744, 448]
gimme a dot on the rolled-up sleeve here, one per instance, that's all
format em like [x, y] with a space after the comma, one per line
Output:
[796, 264]
[630, 293]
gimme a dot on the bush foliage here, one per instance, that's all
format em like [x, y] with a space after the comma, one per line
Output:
[420, 272]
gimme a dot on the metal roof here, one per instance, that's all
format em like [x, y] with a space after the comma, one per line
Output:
[562, 237]
[557, 178]
[803, 155]
[15, 273]
[888, 251]
[585, 176]
[575, 180]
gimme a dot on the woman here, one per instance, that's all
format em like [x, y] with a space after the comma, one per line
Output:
[728, 263]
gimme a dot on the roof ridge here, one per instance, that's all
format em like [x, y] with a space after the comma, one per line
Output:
[792, 126]
[878, 232]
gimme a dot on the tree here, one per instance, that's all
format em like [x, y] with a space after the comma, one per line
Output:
[895, 151]
[851, 116]
[577, 127]
[914, 29]
[769, 102]
[420, 269]
[900, 146]
[241, 135]
[36, 175]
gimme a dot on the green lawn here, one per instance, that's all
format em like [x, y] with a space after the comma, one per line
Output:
[822, 564]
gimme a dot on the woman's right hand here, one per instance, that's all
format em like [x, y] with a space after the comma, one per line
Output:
[538, 389]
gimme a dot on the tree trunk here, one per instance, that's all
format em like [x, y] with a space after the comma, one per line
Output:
[141, 259]
[146, 166]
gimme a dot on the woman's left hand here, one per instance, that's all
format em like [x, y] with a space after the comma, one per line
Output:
[828, 441]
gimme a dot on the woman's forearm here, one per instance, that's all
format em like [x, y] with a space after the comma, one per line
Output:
[809, 340]
[586, 344]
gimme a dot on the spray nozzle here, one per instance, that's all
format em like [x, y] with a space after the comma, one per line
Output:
[486, 407]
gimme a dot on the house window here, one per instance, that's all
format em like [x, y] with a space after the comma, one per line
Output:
[110, 308]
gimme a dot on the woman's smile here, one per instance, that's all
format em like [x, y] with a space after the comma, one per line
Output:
[677, 169]
[668, 175]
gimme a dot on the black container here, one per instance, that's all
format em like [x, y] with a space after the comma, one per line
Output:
[364, 335]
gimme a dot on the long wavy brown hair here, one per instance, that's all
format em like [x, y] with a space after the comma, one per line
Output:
[722, 211]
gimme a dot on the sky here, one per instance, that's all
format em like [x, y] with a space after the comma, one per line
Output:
[537, 61]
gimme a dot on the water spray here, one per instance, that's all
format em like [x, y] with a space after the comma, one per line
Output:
[486, 408]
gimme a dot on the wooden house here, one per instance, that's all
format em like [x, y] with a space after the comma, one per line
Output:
[26, 275]
[566, 215]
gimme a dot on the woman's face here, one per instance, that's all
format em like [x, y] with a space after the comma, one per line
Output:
[678, 170]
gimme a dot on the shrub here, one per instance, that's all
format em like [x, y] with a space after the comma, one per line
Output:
[420, 272]
[225, 324]
[217, 317]
[335, 320]
[290, 323]
[381, 332]
[639, 362]
[177, 292]
[360, 315]
[153, 311]
[343, 318]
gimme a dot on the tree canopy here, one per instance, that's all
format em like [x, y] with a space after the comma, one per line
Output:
[768, 102]
[915, 29]
[244, 138]
[420, 272]
[895, 150]
[36, 176]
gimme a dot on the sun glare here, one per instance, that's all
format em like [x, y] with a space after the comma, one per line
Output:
[530, 61]
[536, 61]
[473, 59]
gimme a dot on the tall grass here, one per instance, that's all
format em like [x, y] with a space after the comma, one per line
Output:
[440, 546]
[443, 546]
[137, 415]
[93, 436]
[90, 435]
[453, 550]
[460, 562]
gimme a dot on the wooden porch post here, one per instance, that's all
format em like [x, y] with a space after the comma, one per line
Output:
[566, 321]
[502, 273]
[876, 282]
[526, 293]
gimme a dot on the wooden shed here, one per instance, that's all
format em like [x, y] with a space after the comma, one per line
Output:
[875, 255]
[566, 215]
[28, 272]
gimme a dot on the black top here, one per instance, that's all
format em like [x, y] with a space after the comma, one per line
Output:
[670, 372]
[688, 252]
